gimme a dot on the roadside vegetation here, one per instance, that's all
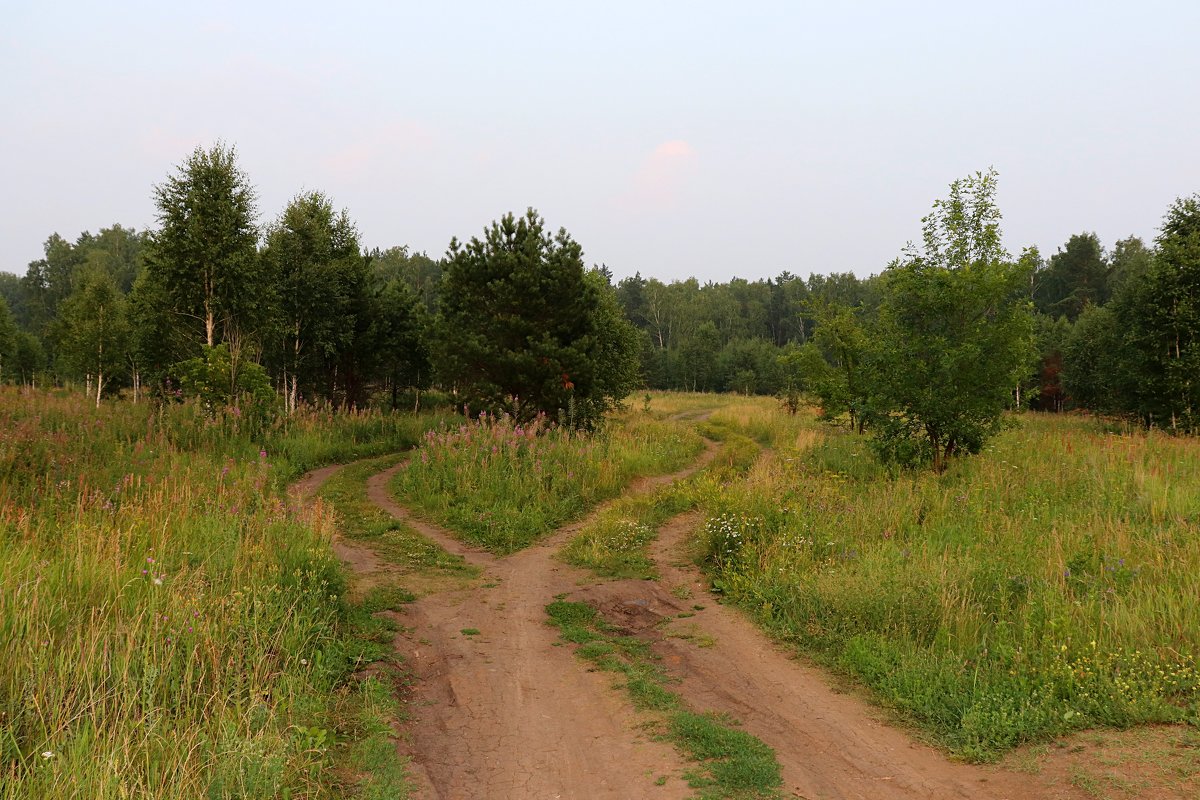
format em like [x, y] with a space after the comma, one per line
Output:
[1044, 587]
[615, 543]
[170, 626]
[503, 485]
[362, 521]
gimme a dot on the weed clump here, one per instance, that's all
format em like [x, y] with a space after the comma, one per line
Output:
[503, 485]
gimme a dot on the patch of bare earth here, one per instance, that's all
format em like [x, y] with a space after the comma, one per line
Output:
[499, 710]
[1159, 762]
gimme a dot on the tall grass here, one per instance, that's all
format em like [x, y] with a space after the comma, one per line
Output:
[503, 485]
[169, 626]
[615, 544]
[361, 520]
[1046, 585]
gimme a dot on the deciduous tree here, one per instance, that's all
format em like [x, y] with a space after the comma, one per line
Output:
[955, 332]
[307, 255]
[206, 249]
[92, 330]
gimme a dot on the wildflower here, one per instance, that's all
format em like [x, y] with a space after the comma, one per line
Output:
[157, 581]
[47, 754]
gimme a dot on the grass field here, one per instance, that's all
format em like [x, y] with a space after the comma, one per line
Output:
[169, 625]
[172, 627]
[503, 485]
[1045, 586]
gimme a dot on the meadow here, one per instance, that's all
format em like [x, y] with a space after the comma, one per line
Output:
[1044, 586]
[171, 626]
[504, 485]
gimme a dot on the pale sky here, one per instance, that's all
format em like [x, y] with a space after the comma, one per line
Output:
[675, 138]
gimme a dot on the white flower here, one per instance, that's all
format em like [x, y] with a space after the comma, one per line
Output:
[158, 581]
[304, 662]
[47, 754]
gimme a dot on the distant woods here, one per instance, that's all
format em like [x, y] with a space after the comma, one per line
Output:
[218, 304]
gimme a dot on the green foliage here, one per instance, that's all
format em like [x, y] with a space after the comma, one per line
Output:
[1130, 261]
[954, 336]
[503, 485]
[751, 366]
[842, 342]
[157, 341]
[178, 629]
[417, 271]
[739, 765]
[1140, 354]
[361, 520]
[400, 335]
[115, 252]
[205, 253]
[218, 382]
[1162, 312]
[8, 341]
[92, 330]
[29, 358]
[524, 329]
[310, 256]
[615, 543]
[1045, 390]
[1076, 277]
[1093, 360]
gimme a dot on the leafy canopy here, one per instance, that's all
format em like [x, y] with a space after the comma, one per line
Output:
[955, 332]
[526, 329]
[206, 250]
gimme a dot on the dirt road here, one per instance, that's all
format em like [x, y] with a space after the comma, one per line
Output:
[501, 711]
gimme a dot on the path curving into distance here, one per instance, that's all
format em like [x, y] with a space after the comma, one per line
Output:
[507, 713]
[829, 744]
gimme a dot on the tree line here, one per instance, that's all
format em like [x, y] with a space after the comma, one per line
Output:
[1113, 331]
[214, 306]
[925, 354]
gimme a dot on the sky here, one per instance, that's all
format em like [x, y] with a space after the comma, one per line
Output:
[674, 139]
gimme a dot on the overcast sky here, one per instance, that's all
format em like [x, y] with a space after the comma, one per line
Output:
[674, 138]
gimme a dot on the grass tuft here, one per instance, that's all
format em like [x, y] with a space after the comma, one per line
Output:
[503, 485]
[730, 762]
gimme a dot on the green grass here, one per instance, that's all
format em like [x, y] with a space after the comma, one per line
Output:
[1044, 586]
[360, 520]
[616, 543]
[730, 763]
[170, 626]
[503, 486]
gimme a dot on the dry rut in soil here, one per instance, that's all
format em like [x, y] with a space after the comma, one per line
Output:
[505, 713]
